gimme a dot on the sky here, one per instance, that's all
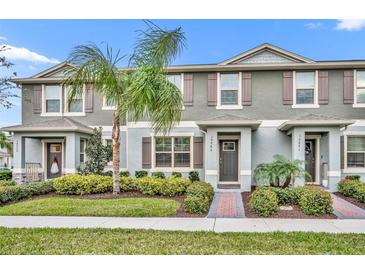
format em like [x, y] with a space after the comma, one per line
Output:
[35, 45]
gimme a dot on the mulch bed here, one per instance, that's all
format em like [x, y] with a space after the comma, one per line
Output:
[350, 200]
[131, 194]
[296, 213]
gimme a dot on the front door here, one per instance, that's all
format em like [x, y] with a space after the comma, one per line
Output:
[54, 160]
[310, 159]
[228, 161]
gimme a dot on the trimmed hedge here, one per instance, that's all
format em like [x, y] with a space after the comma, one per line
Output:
[348, 187]
[315, 201]
[75, 184]
[5, 175]
[157, 186]
[18, 192]
[353, 177]
[141, 173]
[176, 174]
[194, 176]
[199, 195]
[360, 193]
[7, 183]
[158, 174]
[286, 196]
[264, 202]
[124, 174]
[127, 184]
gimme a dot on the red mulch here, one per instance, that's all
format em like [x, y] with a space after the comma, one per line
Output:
[296, 213]
[350, 200]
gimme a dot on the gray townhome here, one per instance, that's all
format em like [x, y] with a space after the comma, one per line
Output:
[237, 114]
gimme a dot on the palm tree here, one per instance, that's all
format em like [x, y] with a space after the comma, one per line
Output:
[4, 143]
[142, 90]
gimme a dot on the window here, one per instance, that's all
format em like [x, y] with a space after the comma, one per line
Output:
[229, 89]
[356, 151]
[55, 148]
[82, 151]
[109, 144]
[229, 146]
[53, 98]
[305, 87]
[76, 104]
[360, 87]
[172, 151]
[108, 103]
[175, 79]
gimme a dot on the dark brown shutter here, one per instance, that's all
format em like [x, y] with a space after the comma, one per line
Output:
[198, 152]
[89, 99]
[188, 89]
[348, 87]
[323, 88]
[287, 88]
[37, 99]
[342, 151]
[246, 89]
[146, 152]
[212, 89]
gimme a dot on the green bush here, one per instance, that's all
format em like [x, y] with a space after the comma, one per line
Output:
[158, 174]
[140, 173]
[176, 174]
[315, 201]
[348, 187]
[174, 186]
[149, 185]
[264, 202]
[353, 177]
[5, 175]
[127, 184]
[286, 196]
[124, 174]
[194, 176]
[80, 185]
[360, 193]
[196, 204]
[108, 173]
[39, 188]
[7, 183]
[200, 189]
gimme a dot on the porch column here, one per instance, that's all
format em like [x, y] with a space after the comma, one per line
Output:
[298, 151]
[70, 154]
[245, 159]
[211, 157]
[19, 158]
[334, 159]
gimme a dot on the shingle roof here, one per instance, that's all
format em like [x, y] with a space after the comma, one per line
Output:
[229, 120]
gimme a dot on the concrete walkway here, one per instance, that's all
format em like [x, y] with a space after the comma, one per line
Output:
[346, 210]
[189, 224]
[227, 205]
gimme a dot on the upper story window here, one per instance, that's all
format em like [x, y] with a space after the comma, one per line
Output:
[52, 96]
[175, 79]
[172, 152]
[108, 104]
[360, 87]
[305, 87]
[355, 151]
[76, 105]
[229, 89]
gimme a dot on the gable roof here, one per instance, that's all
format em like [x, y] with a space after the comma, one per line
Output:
[266, 47]
[53, 70]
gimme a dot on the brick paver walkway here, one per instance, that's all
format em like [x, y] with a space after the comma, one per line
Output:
[345, 210]
[227, 205]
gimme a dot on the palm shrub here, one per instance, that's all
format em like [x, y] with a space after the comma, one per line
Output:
[279, 173]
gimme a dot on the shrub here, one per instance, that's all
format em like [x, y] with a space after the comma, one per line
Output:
[7, 183]
[77, 184]
[124, 174]
[158, 174]
[39, 188]
[127, 184]
[149, 185]
[176, 174]
[286, 196]
[314, 201]
[5, 175]
[360, 193]
[174, 186]
[264, 202]
[348, 187]
[140, 173]
[353, 177]
[196, 204]
[200, 189]
[194, 176]
[108, 173]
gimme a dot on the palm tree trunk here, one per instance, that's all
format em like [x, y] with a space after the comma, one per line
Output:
[116, 153]
[287, 182]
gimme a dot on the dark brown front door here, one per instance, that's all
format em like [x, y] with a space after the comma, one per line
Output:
[310, 159]
[54, 160]
[228, 161]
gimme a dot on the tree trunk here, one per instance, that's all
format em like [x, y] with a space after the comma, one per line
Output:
[287, 182]
[116, 152]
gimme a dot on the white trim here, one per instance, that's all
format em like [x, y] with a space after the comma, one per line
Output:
[354, 170]
[239, 91]
[345, 135]
[315, 99]
[110, 128]
[334, 173]
[245, 172]
[228, 182]
[354, 133]
[18, 170]
[69, 170]
[272, 123]
[211, 172]
[182, 124]
[51, 114]
[355, 104]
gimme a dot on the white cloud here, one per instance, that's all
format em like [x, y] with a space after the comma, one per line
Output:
[314, 25]
[350, 24]
[24, 54]
[3, 38]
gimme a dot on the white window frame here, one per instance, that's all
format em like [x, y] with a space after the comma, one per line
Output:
[315, 103]
[66, 111]
[105, 107]
[346, 168]
[355, 104]
[239, 95]
[170, 169]
[84, 153]
[181, 85]
[50, 114]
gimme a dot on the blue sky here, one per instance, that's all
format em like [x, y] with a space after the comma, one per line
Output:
[36, 45]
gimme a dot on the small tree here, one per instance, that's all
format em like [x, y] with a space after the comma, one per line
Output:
[4, 143]
[5, 81]
[96, 153]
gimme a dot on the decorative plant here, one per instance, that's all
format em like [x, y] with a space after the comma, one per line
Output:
[280, 173]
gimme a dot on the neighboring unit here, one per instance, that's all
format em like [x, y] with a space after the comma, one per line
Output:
[237, 114]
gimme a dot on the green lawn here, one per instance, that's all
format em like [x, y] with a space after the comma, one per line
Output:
[123, 207]
[127, 241]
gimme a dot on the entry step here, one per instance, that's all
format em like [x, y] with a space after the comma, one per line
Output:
[229, 186]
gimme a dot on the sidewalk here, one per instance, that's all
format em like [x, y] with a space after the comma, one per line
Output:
[189, 224]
